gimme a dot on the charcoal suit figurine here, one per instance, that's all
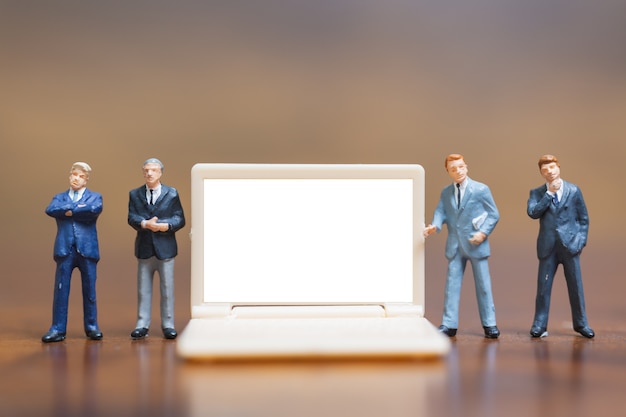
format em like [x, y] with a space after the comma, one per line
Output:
[155, 212]
[563, 227]
[470, 213]
[75, 246]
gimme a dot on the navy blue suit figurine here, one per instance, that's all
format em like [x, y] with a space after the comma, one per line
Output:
[470, 214]
[76, 246]
[155, 212]
[563, 227]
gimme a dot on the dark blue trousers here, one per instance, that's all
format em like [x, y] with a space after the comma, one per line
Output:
[87, 268]
[573, 278]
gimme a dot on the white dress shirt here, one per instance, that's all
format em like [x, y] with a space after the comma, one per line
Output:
[156, 192]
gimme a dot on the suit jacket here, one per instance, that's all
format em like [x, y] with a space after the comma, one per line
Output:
[78, 230]
[478, 212]
[168, 210]
[567, 222]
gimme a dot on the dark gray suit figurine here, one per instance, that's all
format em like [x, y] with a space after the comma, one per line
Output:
[468, 210]
[155, 212]
[563, 227]
[75, 246]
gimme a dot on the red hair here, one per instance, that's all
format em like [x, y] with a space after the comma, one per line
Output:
[453, 157]
[548, 159]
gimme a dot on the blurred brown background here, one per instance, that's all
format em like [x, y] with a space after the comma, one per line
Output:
[327, 81]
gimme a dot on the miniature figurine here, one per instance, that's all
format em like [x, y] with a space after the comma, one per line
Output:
[155, 212]
[470, 213]
[75, 246]
[563, 227]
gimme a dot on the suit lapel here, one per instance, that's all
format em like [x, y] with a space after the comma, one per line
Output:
[452, 197]
[467, 194]
[141, 195]
[565, 194]
[164, 192]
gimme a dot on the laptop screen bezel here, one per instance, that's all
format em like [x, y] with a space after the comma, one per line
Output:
[202, 171]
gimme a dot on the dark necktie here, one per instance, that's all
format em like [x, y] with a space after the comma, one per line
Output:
[458, 195]
[151, 197]
[555, 199]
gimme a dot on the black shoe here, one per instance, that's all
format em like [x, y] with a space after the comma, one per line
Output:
[448, 332]
[53, 336]
[139, 333]
[586, 331]
[491, 332]
[169, 333]
[94, 334]
[537, 331]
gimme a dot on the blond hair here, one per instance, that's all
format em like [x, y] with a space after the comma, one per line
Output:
[81, 166]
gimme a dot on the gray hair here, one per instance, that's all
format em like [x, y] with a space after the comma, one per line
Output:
[154, 161]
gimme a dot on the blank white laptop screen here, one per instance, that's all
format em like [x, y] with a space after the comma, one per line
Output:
[307, 240]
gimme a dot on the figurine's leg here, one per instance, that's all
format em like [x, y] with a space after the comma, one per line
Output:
[454, 280]
[62, 279]
[87, 269]
[145, 274]
[166, 274]
[573, 277]
[545, 277]
[484, 296]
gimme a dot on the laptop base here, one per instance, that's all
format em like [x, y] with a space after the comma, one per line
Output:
[242, 338]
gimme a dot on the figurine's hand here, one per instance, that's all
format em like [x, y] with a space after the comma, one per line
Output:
[429, 230]
[555, 185]
[153, 225]
[478, 238]
[68, 213]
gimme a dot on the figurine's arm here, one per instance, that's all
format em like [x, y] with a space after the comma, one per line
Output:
[582, 218]
[493, 215]
[172, 223]
[134, 217]
[439, 218]
[89, 210]
[538, 203]
[176, 220]
[490, 220]
[58, 208]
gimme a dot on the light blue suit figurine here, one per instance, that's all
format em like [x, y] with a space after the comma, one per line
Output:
[563, 227]
[470, 213]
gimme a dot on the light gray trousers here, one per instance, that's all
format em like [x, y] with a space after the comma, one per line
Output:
[145, 274]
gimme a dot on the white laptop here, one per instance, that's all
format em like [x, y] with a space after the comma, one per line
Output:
[307, 260]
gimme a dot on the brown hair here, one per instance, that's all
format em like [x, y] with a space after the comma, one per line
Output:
[453, 157]
[548, 159]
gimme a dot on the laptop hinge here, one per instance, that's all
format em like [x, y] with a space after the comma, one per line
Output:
[403, 309]
[308, 311]
[220, 310]
[217, 310]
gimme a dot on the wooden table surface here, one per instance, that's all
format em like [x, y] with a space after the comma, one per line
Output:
[562, 375]
[515, 375]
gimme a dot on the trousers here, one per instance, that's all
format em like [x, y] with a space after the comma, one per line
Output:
[146, 269]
